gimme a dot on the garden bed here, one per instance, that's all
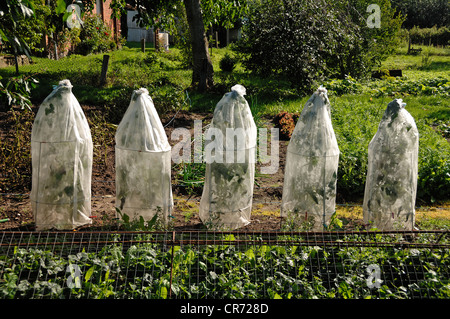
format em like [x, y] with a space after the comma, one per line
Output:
[16, 206]
[15, 182]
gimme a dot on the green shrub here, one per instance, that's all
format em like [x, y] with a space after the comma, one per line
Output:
[428, 36]
[423, 13]
[15, 91]
[434, 166]
[227, 63]
[148, 270]
[399, 86]
[303, 42]
[94, 37]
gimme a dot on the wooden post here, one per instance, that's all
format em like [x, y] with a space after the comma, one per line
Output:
[16, 62]
[409, 43]
[104, 69]
[143, 45]
[156, 40]
[55, 48]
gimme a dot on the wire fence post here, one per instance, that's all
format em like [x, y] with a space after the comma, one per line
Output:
[172, 243]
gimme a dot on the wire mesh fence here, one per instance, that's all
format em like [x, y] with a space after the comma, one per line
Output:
[224, 265]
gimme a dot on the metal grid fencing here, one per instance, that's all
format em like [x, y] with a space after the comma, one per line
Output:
[224, 265]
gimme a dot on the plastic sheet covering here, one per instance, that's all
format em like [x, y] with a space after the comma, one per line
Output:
[61, 151]
[226, 201]
[309, 190]
[143, 162]
[391, 182]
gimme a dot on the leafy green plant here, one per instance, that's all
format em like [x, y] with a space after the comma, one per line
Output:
[434, 175]
[348, 85]
[11, 12]
[138, 223]
[423, 13]
[335, 223]
[227, 63]
[95, 37]
[426, 60]
[191, 177]
[226, 270]
[332, 44]
[16, 91]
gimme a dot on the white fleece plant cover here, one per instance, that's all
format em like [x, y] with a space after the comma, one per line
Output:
[391, 182]
[230, 145]
[61, 151]
[309, 190]
[143, 162]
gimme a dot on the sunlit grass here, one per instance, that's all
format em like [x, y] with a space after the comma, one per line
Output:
[437, 217]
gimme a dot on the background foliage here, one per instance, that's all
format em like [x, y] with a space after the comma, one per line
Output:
[428, 36]
[11, 35]
[308, 41]
[424, 13]
[94, 37]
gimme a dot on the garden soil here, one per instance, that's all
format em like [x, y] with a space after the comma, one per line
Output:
[15, 206]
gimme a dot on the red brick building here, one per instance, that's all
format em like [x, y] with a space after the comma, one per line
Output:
[102, 8]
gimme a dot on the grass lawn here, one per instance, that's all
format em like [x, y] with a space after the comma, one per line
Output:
[129, 68]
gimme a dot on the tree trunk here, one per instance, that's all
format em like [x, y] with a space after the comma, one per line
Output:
[202, 75]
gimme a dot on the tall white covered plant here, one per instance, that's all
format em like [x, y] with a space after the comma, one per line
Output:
[230, 147]
[391, 182]
[309, 190]
[61, 151]
[143, 162]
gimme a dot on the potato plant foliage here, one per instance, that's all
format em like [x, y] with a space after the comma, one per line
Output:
[226, 270]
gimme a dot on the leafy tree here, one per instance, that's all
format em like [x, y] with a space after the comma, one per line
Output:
[94, 36]
[307, 41]
[32, 29]
[10, 12]
[55, 22]
[288, 38]
[200, 16]
[371, 45]
[424, 13]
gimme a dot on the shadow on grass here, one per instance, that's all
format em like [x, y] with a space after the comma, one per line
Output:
[437, 66]
[443, 115]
